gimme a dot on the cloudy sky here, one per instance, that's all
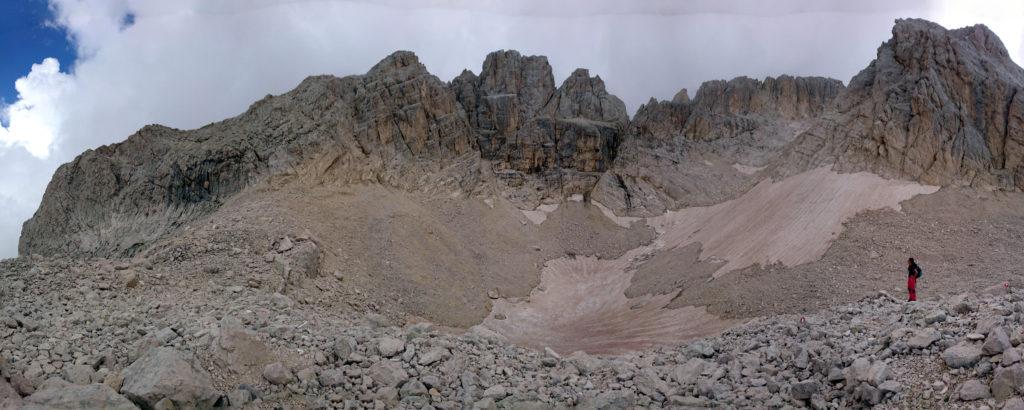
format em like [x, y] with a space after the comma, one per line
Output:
[77, 74]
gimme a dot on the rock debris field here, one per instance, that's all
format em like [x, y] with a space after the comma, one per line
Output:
[96, 342]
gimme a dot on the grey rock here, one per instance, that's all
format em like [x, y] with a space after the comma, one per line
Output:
[962, 355]
[986, 324]
[701, 349]
[307, 377]
[79, 374]
[868, 394]
[9, 397]
[431, 381]
[115, 380]
[857, 371]
[332, 377]
[687, 402]
[388, 373]
[240, 397]
[877, 373]
[923, 338]
[890, 386]
[238, 349]
[803, 390]
[73, 396]
[342, 348]
[689, 372]
[285, 244]
[1014, 403]
[432, 356]
[617, 399]
[389, 346]
[974, 390]
[301, 262]
[165, 373]
[1007, 381]
[166, 335]
[996, 342]
[486, 403]
[1010, 356]
[22, 384]
[496, 392]
[413, 388]
[935, 317]
[277, 373]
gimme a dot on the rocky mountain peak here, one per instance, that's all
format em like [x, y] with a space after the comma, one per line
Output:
[681, 97]
[528, 77]
[792, 97]
[583, 96]
[400, 63]
[938, 106]
[918, 37]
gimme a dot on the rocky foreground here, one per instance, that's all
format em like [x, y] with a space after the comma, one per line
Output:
[113, 335]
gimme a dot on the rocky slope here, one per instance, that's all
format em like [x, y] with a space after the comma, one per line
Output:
[77, 334]
[392, 125]
[706, 150]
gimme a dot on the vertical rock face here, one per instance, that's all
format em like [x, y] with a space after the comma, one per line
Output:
[681, 152]
[510, 90]
[541, 141]
[723, 109]
[938, 106]
[583, 96]
[578, 130]
[387, 126]
[404, 112]
[787, 96]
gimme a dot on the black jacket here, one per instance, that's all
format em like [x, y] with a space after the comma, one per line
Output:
[914, 270]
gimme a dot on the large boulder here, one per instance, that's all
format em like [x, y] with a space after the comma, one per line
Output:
[238, 349]
[300, 261]
[389, 346]
[277, 373]
[74, 397]
[388, 373]
[688, 373]
[804, 390]
[164, 373]
[9, 397]
[1007, 382]
[974, 390]
[996, 342]
[923, 338]
[963, 354]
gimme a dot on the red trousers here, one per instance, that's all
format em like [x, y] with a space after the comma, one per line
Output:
[912, 287]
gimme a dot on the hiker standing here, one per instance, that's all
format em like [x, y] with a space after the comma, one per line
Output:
[913, 273]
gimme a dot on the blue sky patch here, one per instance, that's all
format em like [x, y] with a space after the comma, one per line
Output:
[26, 39]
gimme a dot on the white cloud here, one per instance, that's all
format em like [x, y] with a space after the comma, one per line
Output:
[186, 63]
[34, 120]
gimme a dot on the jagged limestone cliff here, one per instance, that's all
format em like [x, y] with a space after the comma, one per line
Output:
[937, 106]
